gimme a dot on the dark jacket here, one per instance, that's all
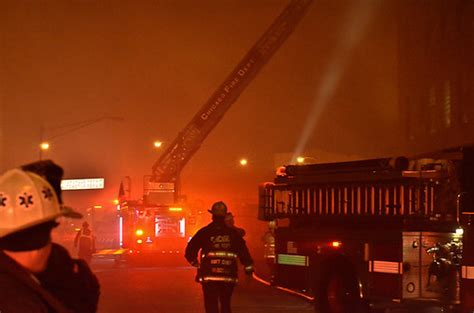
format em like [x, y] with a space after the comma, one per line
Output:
[71, 281]
[220, 247]
[241, 231]
[85, 241]
[21, 292]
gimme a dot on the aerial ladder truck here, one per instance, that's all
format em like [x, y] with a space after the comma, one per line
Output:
[158, 223]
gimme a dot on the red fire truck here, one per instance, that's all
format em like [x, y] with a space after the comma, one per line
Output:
[381, 233]
[157, 225]
[160, 221]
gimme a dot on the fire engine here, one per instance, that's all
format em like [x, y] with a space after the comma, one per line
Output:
[160, 222]
[391, 233]
[388, 233]
[158, 225]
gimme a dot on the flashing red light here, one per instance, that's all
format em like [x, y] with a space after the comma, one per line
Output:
[336, 244]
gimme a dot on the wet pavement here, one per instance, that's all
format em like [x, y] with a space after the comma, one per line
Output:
[169, 289]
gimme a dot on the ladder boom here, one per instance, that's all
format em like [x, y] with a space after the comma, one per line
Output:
[175, 157]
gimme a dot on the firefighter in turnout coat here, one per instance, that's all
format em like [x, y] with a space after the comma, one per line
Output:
[85, 243]
[29, 208]
[219, 247]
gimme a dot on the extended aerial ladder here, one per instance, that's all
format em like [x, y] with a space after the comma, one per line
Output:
[147, 225]
[168, 167]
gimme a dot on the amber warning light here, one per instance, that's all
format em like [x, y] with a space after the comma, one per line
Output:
[139, 232]
[176, 209]
[336, 244]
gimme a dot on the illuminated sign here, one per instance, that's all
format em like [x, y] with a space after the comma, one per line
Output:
[176, 209]
[82, 184]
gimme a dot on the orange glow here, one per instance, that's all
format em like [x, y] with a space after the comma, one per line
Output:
[116, 201]
[44, 146]
[281, 171]
[139, 232]
[176, 209]
[139, 241]
[243, 162]
[300, 159]
[157, 144]
[336, 244]
[97, 207]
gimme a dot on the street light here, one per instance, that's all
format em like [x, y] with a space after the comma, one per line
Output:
[44, 145]
[306, 160]
[72, 127]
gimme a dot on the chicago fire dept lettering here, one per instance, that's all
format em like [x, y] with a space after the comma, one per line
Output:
[221, 262]
[220, 242]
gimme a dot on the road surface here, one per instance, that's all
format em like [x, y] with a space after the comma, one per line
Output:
[171, 289]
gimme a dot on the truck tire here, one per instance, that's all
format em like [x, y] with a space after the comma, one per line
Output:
[339, 292]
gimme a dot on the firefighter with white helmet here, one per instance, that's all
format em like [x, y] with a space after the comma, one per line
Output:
[26, 200]
[220, 247]
[29, 207]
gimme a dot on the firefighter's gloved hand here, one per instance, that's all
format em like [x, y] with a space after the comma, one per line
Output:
[249, 269]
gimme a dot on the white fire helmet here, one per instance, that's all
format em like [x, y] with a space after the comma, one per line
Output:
[26, 200]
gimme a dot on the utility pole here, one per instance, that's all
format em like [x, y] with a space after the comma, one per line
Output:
[67, 129]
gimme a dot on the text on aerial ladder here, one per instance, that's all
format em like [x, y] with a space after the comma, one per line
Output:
[228, 88]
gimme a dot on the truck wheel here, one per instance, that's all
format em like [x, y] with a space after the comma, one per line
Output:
[339, 293]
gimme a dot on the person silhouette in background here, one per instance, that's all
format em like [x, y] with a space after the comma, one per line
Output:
[85, 243]
[230, 222]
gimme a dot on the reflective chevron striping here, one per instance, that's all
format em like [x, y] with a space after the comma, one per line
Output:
[467, 272]
[110, 252]
[385, 267]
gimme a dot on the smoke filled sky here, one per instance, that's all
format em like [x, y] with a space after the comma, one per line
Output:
[146, 67]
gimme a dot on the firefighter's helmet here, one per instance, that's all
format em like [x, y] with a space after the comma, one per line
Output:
[218, 209]
[229, 216]
[26, 200]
